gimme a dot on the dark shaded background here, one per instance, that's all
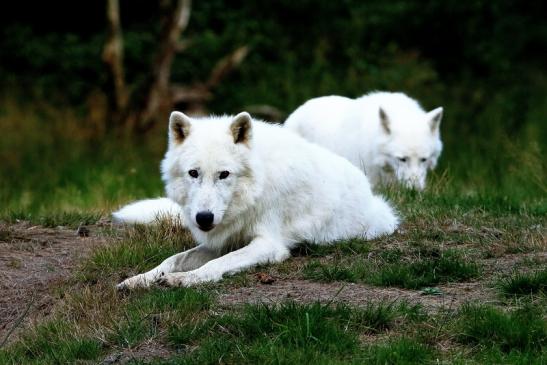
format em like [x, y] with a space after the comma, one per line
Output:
[345, 47]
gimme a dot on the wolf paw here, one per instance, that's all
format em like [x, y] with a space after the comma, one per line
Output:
[122, 287]
[162, 282]
[137, 281]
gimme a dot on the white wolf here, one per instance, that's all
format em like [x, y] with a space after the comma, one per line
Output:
[256, 187]
[388, 135]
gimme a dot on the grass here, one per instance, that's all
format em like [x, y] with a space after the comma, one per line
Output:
[197, 327]
[52, 343]
[288, 333]
[142, 316]
[53, 171]
[520, 330]
[394, 269]
[519, 283]
[140, 249]
[448, 266]
[399, 351]
[97, 319]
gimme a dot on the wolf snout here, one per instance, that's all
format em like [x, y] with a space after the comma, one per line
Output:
[205, 220]
[415, 183]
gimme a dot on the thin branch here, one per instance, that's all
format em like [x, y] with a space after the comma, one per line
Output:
[226, 65]
[113, 54]
[183, 16]
[161, 69]
[19, 320]
[190, 94]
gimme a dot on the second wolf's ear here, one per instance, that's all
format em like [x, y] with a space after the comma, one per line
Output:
[179, 127]
[384, 121]
[241, 128]
[434, 118]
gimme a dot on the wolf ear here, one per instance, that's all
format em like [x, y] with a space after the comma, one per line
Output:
[179, 127]
[384, 121]
[434, 118]
[241, 128]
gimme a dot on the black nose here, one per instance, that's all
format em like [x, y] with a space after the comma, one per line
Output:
[205, 220]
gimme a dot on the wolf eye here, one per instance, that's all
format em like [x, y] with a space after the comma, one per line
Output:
[224, 174]
[403, 159]
[193, 173]
[423, 159]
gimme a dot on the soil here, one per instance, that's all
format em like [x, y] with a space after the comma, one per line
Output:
[34, 261]
[303, 291]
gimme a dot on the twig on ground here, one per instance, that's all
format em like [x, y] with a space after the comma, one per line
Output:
[19, 320]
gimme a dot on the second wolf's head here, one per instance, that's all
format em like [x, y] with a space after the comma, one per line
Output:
[410, 146]
[207, 167]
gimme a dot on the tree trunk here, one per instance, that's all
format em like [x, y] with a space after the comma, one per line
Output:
[138, 112]
[158, 89]
[113, 57]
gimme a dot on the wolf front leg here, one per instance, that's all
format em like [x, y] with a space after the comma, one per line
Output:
[261, 250]
[184, 261]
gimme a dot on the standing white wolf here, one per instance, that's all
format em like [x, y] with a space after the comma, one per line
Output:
[247, 184]
[388, 135]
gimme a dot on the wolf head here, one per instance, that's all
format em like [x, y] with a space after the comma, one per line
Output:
[206, 165]
[410, 147]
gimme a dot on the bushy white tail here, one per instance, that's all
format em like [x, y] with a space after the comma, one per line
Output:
[148, 211]
[382, 218]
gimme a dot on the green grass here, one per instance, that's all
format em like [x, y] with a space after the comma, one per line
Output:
[53, 171]
[447, 267]
[398, 351]
[346, 247]
[523, 329]
[530, 283]
[52, 343]
[291, 333]
[91, 326]
[394, 269]
[284, 333]
[494, 356]
[139, 249]
[142, 315]
[315, 270]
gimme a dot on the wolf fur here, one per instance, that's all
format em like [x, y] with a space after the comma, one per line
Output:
[148, 211]
[259, 189]
[388, 135]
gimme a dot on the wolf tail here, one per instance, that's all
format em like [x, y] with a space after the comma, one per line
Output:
[383, 219]
[148, 211]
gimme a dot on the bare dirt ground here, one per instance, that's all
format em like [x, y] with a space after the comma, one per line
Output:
[303, 291]
[33, 262]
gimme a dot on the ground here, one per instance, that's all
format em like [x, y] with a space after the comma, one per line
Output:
[33, 262]
[448, 288]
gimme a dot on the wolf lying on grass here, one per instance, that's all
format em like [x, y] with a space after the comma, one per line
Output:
[388, 135]
[256, 187]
